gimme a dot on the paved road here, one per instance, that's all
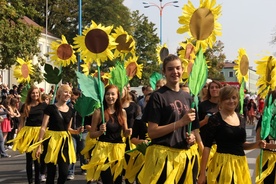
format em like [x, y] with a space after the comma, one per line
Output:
[12, 170]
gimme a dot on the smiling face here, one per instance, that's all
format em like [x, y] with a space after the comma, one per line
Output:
[35, 94]
[173, 70]
[64, 93]
[229, 98]
[111, 96]
[214, 90]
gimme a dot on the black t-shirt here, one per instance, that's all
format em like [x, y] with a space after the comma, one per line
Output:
[131, 111]
[113, 131]
[204, 108]
[36, 113]
[229, 139]
[56, 122]
[166, 106]
[139, 129]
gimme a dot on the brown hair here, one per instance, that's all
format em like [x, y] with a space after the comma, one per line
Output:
[28, 101]
[117, 106]
[227, 92]
[169, 58]
[208, 95]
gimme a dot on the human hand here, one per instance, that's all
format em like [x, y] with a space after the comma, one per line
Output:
[38, 152]
[128, 132]
[201, 179]
[80, 129]
[190, 138]
[261, 144]
[103, 127]
[188, 117]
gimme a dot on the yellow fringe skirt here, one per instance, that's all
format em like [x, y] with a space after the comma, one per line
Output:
[226, 168]
[88, 146]
[57, 140]
[134, 165]
[26, 136]
[269, 159]
[176, 159]
[103, 156]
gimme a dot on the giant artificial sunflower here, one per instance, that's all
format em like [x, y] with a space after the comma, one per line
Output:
[63, 53]
[201, 23]
[266, 68]
[162, 52]
[242, 66]
[187, 55]
[104, 76]
[23, 70]
[126, 43]
[133, 68]
[86, 68]
[96, 43]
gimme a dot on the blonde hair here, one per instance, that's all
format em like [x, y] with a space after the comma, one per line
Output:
[62, 88]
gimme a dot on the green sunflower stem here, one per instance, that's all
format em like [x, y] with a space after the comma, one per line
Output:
[56, 86]
[101, 94]
[241, 95]
[190, 124]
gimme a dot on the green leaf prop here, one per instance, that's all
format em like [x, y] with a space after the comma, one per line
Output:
[119, 76]
[86, 105]
[199, 74]
[154, 77]
[266, 118]
[52, 75]
[24, 93]
[90, 86]
[241, 96]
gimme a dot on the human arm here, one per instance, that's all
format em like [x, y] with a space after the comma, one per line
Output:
[203, 165]
[127, 131]
[21, 122]
[156, 131]
[73, 131]
[199, 141]
[254, 145]
[94, 132]
[42, 131]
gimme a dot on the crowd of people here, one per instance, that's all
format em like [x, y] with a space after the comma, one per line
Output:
[158, 137]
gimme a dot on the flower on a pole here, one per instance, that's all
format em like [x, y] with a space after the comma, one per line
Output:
[23, 70]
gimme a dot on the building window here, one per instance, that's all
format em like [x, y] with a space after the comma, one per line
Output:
[222, 73]
[231, 74]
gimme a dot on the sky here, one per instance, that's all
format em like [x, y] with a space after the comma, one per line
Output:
[248, 24]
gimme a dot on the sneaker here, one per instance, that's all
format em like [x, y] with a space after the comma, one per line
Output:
[43, 178]
[5, 156]
[10, 147]
[70, 177]
[83, 173]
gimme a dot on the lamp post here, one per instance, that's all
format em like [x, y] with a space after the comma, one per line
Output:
[160, 7]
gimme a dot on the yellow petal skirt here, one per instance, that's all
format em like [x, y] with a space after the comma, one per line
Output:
[26, 136]
[225, 168]
[57, 139]
[89, 145]
[269, 158]
[156, 157]
[103, 156]
[134, 165]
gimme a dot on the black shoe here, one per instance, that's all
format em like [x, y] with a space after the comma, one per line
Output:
[5, 156]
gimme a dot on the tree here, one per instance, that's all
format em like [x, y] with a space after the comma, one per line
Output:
[216, 58]
[147, 40]
[18, 39]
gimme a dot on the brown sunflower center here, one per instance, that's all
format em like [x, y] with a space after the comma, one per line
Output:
[131, 69]
[123, 45]
[244, 65]
[269, 68]
[64, 51]
[202, 23]
[164, 52]
[25, 71]
[96, 41]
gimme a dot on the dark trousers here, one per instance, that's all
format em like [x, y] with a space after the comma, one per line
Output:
[29, 168]
[107, 177]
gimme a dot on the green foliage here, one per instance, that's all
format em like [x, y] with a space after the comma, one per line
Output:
[18, 39]
[86, 105]
[216, 58]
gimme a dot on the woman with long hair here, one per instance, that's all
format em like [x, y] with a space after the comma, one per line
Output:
[28, 129]
[57, 141]
[107, 158]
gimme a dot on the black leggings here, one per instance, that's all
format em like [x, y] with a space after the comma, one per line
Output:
[107, 177]
[29, 168]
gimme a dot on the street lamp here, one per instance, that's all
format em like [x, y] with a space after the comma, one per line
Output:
[160, 7]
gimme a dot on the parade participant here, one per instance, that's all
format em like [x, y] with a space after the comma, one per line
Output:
[28, 130]
[107, 158]
[227, 129]
[3, 153]
[251, 109]
[57, 141]
[268, 174]
[209, 106]
[169, 158]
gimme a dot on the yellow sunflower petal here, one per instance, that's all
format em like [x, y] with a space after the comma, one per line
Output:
[242, 66]
[23, 70]
[133, 68]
